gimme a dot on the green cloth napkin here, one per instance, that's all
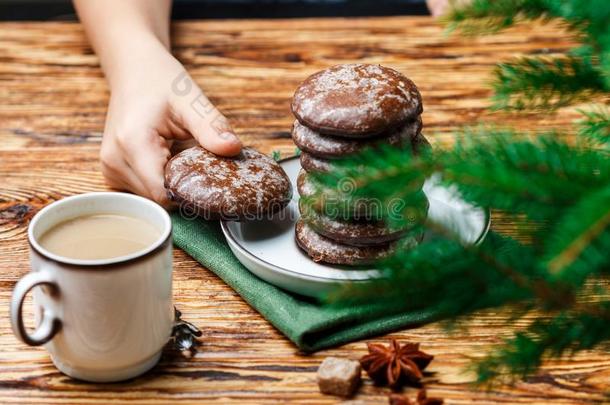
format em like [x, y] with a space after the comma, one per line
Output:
[309, 324]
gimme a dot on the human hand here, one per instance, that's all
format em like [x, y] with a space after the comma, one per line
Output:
[440, 7]
[154, 103]
[437, 7]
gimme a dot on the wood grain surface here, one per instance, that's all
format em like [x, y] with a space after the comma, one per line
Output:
[52, 104]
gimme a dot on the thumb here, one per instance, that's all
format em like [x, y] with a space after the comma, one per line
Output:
[207, 125]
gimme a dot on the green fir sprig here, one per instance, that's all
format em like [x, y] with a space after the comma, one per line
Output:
[562, 188]
[545, 83]
[596, 125]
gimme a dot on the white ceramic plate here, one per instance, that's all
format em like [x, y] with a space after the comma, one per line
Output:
[268, 249]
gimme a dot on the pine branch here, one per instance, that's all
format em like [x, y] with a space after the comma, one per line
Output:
[565, 333]
[563, 187]
[494, 169]
[587, 17]
[596, 125]
[491, 16]
[590, 18]
[469, 281]
[384, 179]
[489, 167]
[537, 83]
[579, 244]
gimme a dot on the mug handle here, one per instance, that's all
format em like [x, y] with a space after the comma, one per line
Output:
[50, 324]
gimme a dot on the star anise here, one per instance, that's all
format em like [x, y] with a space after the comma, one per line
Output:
[395, 364]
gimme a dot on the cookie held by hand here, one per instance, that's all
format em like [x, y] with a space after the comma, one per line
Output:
[250, 185]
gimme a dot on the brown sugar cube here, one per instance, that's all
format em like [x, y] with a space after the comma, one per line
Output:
[338, 376]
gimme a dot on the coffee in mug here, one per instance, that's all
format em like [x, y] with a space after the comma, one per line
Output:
[101, 281]
[99, 236]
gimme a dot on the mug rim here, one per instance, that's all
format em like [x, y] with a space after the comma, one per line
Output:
[159, 244]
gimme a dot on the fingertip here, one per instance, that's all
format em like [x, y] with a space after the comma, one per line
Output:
[232, 147]
[230, 152]
[166, 203]
[225, 144]
[161, 198]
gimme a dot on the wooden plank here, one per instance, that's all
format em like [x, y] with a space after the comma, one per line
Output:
[52, 105]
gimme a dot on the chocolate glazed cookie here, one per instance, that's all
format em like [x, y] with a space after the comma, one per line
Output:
[339, 204]
[354, 233]
[333, 147]
[419, 143]
[313, 163]
[249, 185]
[310, 163]
[323, 249]
[334, 203]
[356, 100]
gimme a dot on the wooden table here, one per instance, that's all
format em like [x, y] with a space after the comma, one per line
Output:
[52, 104]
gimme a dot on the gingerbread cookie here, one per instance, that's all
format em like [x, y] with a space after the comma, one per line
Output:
[340, 204]
[248, 186]
[336, 203]
[419, 143]
[314, 164]
[350, 232]
[333, 147]
[356, 100]
[323, 249]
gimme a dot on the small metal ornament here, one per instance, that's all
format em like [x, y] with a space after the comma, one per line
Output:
[184, 335]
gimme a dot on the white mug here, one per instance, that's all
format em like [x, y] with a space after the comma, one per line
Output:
[101, 320]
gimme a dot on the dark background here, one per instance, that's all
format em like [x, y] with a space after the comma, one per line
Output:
[195, 9]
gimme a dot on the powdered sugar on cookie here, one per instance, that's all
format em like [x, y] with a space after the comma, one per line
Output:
[356, 100]
[248, 185]
[323, 249]
[333, 147]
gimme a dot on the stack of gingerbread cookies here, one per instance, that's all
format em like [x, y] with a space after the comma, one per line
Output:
[339, 112]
